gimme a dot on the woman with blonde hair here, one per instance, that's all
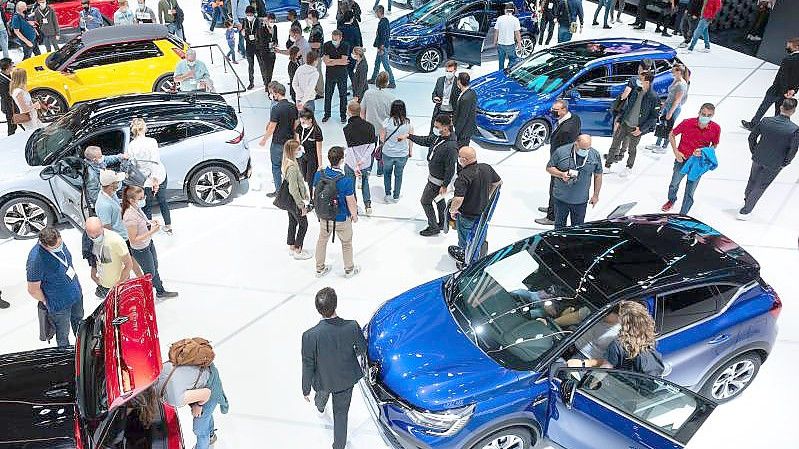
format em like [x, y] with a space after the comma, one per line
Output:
[298, 220]
[143, 151]
[18, 87]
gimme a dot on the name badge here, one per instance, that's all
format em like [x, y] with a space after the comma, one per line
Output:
[251, 37]
[549, 6]
[142, 16]
[70, 273]
[44, 21]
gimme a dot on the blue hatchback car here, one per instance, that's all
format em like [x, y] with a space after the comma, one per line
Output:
[475, 360]
[462, 30]
[513, 106]
[279, 7]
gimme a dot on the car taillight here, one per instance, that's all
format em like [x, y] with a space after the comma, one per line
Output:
[776, 307]
[237, 139]
[179, 51]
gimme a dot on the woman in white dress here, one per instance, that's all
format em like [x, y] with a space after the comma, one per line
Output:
[22, 98]
[144, 151]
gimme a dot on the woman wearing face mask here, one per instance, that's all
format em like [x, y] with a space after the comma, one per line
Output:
[140, 235]
[309, 134]
[123, 15]
[298, 221]
[144, 152]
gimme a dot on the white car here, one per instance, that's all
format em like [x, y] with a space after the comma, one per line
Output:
[201, 143]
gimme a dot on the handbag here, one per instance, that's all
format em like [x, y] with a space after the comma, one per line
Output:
[134, 174]
[21, 118]
[378, 151]
[46, 326]
[283, 199]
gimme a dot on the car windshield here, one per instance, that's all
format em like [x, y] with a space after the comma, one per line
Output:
[520, 302]
[548, 70]
[47, 142]
[437, 12]
[57, 58]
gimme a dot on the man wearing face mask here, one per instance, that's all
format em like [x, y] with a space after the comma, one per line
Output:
[445, 94]
[90, 17]
[24, 31]
[316, 37]
[336, 57]
[48, 25]
[638, 116]
[266, 44]
[441, 160]
[785, 85]
[249, 32]
[95, 162]
[573, 167]
[53, 282]
[696, 133]
[567, 128]
[193, 74]
[143, 13]
[109, 257]
[167, 14]
[123, 15]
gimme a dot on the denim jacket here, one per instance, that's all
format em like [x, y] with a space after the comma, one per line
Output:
[93, 175]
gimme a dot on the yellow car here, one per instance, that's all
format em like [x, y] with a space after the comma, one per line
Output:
[105, 62]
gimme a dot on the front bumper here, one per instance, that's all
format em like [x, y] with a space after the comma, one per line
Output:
[381, 412]
[402, 56]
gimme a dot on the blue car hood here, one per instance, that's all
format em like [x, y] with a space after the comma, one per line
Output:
[424, 357]
[498, 93]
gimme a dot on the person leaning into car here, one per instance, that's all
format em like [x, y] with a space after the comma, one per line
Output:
[47, 22]
[446, 92]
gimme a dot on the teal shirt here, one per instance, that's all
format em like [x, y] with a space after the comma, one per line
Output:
[200, 73]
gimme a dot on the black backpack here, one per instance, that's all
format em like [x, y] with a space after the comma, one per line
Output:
[325, 197]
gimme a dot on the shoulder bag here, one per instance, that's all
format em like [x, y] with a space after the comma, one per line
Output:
[378, 151]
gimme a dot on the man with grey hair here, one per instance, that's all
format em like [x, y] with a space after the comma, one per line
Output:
[96, 161]
[573, 167]
[111, 255]
[567, 128]
[193, 75]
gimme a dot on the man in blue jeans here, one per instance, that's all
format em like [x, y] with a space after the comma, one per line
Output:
[381, 43]
[508, 37]
[710, 9]
[52, 280]
[574, 166]
[280, 129]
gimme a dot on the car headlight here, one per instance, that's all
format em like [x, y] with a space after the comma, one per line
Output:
[406, 39]
[442, 423]
[500, 118]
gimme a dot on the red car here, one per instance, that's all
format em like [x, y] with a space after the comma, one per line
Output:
[80, 398]
[67, 11]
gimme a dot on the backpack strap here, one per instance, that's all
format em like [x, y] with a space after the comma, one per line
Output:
[166, 382]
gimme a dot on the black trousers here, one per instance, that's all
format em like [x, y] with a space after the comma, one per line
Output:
[341, 410]
[333, 80]
[429, 193]
[308, 167]
[770, 99]
[266, 60]
[298, 226]
[547, 24]
[760, 177]
[551, 205]
[250, 52]
[12, 128]
[641, 13]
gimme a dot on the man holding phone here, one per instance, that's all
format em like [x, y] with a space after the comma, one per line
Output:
[573, 166]
[445, 94]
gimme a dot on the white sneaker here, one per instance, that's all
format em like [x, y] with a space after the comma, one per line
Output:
[387, 199]
[744, 217]
[324, 271]
[652, 147]
[704, 50]
[302, 255]
[369, 211]
[660, 150]
[355, 270]
[624, 172]
[682, 45]
[608, 170]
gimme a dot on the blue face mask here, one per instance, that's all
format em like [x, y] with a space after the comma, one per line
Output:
[582, 152]
[704, 120]
[142, 202]
[59, 248]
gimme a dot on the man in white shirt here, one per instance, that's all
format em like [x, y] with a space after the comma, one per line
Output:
[508, 36]
[304, 82]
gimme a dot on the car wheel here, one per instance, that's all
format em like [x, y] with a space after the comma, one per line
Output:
[165, 84]
[528, 46]
[213, 186]
[732, 378]
[511, 438]
[56, 105]
[24, 217]
[532, 135]
[320, 7]
[428, 60]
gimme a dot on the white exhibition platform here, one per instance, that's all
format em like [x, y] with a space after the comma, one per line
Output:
[240, 289]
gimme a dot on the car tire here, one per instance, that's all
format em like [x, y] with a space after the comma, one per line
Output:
[213, 185]
[528, 47]
[732, 378]
[510, 438]
[532, 136]
[165, 84]
[429, 59]
[23, 217]
[321, 7]
[55, 102]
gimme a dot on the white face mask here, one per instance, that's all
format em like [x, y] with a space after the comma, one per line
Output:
[250, 18]
[436, 131]
[98, 239]
[142, 202]
[449, 75]
[191, 63]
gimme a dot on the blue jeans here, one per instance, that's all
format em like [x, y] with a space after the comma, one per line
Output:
[231, 54]
[394, 165]
[465, 226]
[367, 197]
[218, 12]
[4, 42]
[64, 319]
[147, 259]
[508, 51]
[203, 425]
[563, 211]
[701, 31]
[564, 34]
[276, 157]
[608, 5]
[163, 205]
[383, 59]
[674, 186]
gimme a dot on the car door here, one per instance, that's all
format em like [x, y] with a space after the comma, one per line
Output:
[466, 33]
[589, 96]
[590, 408]
[477, 246]
[66, 178]
[91, 74]
[140, 64]
[181, 147]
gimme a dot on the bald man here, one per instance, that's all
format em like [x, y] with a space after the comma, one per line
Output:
[572, 168]
[473, 188]
[109, 256]
[565, 132]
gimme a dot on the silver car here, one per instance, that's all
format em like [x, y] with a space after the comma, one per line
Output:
[201, 143]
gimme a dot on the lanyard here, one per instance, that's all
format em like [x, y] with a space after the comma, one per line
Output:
[585, 159]
[63, 261]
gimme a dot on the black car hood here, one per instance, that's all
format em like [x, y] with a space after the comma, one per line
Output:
[37, 404]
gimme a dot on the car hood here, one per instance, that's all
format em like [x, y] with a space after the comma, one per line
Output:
[406, 28]
[14, 164]
[37, 398]
[424, 357]
[34, 64]
[498, 93]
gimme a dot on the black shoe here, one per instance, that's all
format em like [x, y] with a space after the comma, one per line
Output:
[634, 24]
[543, 209]
[325, 118]
[271, 195]
[657, 29]
[666, 34]
[429, 232]
[165, 294]
[640, 27]
[319, 97]
[371, 81]
[747, 125]
[4, 304]
[456, 253]
[251, 86]
[595, 23]
[392, 85]
[343, 119]
[607, 27]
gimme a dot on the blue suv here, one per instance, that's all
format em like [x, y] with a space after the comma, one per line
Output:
[462, 30]
[513, 106]
[475, 360]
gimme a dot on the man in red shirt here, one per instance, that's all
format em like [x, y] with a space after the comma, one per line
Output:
[696, 133]
[709, 12]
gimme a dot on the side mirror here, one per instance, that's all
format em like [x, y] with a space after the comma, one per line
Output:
[67, 71]
[567, 389]
[48, 173]
[573, 94]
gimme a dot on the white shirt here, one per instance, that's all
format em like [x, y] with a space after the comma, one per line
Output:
[144, 150]
[564, 118]
[594, 342]
[507, 26]
[304, 83]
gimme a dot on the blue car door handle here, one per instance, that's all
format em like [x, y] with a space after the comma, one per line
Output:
[719, 339]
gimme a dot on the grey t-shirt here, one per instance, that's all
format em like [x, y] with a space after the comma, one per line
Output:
[185, 378]
[634, 113]
[393, 147]
[377, 103]
[682, 86]
[576, 191]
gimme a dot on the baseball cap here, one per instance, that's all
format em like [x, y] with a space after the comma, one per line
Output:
[108, 177]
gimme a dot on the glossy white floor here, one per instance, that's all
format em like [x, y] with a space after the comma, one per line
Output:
[239, 288]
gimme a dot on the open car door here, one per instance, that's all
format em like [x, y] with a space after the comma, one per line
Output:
[477, 246]
[593, 407]
[67, 182]
[466, 32]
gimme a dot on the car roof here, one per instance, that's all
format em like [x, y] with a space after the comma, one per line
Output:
[614, 48]
[124, 33]
[630, 256]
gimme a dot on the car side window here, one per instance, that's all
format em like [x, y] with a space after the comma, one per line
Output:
[110, 142]
[134, 51]
[662, 65]
[593, 84]
[94, 57]
[471, 23]
[171, 133]
[625, 68]
[679, 309]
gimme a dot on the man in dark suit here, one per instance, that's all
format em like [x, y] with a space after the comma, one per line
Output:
[567, 128]
[465, 112]
[446, 92]
[7, 103]
[330, 362]
[773, 143]
[785, 85]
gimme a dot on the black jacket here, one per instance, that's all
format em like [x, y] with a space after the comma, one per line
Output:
[442, 157]
[465, 114]
[649, 110]
[439, 92]
[773, 141]
[330, 355]
[358, 131]
[359, 83]
[265, 36]
[6, 101]
[695, 7]
[787, 77]
[565, 133]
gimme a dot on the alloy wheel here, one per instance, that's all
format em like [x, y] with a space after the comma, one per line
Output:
[167, 85]
[213, 187]
[321, 8]
[505, 442]
[733, 379]
[25, 219]
[54, 105]
[528, 45]
[533, 136]
[429, 60]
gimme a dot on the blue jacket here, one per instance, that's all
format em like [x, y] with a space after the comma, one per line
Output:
[93, 175]
[240, 10]
[217, 392]
[383, 33]
[696, 166]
